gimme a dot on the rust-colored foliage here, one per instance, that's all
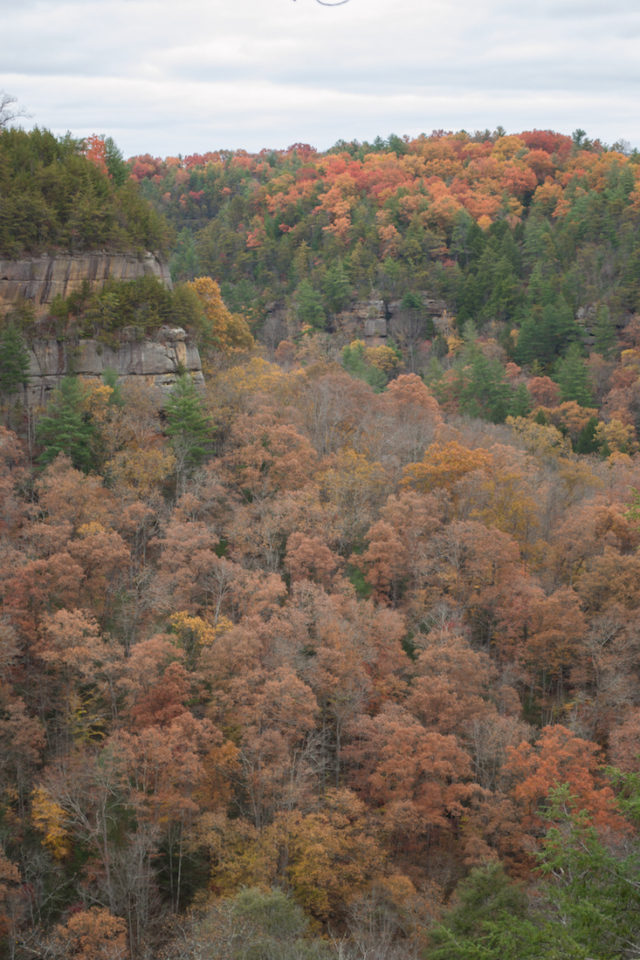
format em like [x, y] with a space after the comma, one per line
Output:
[93, 934]
[335, 662]
[559, 757]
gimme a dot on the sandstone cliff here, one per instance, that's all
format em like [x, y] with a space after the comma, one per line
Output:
[156, 361]
[39, 279]
[375, 321]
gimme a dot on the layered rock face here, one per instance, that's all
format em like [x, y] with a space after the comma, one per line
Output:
[374, 321]
[377, 320]
[156, 362]
[39, 279]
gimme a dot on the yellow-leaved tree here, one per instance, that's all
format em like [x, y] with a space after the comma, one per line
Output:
[51, 820]
[444, 466]
[222, 329]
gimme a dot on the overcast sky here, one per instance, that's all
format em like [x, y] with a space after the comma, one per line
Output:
[171, 78]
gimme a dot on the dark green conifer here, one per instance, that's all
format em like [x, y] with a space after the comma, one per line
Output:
[188, 428]
[14, 360]
[573, 378]
[67, 428]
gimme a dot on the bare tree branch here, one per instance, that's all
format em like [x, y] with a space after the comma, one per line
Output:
[8, 111]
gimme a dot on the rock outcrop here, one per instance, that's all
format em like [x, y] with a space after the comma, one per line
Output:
[376, 320]
[39, 279]
[156, 361]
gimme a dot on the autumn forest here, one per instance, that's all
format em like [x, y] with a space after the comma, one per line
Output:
[337, 656]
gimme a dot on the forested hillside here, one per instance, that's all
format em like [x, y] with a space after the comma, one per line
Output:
[501, 226]
[532, 241]
[340, 657]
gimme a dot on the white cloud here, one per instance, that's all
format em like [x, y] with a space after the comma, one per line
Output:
[166, 78]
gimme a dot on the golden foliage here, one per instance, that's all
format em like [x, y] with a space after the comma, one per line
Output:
[50, 819]
[383, 358]
[444, 465]
[616, 437]
[228, 331]
[194, 634]
[142, 470]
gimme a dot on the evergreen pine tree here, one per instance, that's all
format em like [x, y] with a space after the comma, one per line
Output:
[592, 889]
[336, 288]
[309, 306]
[573, 378]
[188, 428]
[67, 428]
[587, 440]
[605, 333]
[489, 921]
[14, 360]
